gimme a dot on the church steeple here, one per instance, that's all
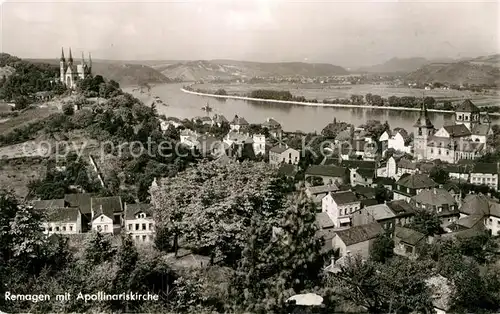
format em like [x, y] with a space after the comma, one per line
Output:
[90, 61]
[423, 119]
[83, 59]
[70, 60]
[62, 55]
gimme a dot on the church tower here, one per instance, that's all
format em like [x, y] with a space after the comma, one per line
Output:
[423, 129]
[62, 66]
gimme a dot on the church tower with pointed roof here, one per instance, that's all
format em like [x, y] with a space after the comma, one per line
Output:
[71, 73]
[423, 130]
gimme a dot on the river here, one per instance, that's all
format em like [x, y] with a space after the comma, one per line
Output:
[292, 117]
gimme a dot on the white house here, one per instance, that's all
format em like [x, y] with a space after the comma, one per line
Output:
[400, 141]
[485, 174]
[139, 222]
[482, 207]
[259, 144]
[63, 221]
[282, 154]
[340, 206]
[106, 214]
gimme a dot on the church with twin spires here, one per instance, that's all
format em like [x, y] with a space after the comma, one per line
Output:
[465, 139]
[71, 72]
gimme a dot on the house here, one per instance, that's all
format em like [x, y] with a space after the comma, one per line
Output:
[139, 222]
[281, 154]
[380, 213]
[459, 172]
[364, 192]
[485, 174]
[273, 126]
[480, 207]
[189, 138]
[61, 220]
[238, 123]
[386, 182]
[403, 210]
[405, 165]
[454, 190]
[407, 241]
[219, 120]
[356, 240]
[361, 172]
[106, 214]
[211, 146]
[203, 120]
[48, 204]
[316, 193]
[83, 202]
[323, 221]
[439, 201]
[329, 174]
[259, 144]
[441, 291]
[399, 140]
[410, 185]
[340, 206]
[388, 168]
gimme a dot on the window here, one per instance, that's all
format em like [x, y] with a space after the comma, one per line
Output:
[150, 238]
[290, 155]
[57, 228]
[102, 218]
[129, 226]
[143, 238]
[439, 152]
[99, 228]
[50, 229]
[105, 227]
[70, 228]
[137, 238]
[64, 228]
[136, 226]
[143, 226]
[150, 226]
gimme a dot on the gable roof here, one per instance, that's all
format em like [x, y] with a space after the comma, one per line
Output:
[132, 209]
[80, 200]
[280, 149]
[400, 207]
[380, 212]
[406, 164]
[481, 129]
[407, 235]
[481, 205]
[457, 130]
[368, 202]
[469, 222]
[324, 220]
[404, 134]
[106, 205]
[366, 173]
[435, 197]
[360, 234]
[346, 197]
[218, 118]
[239, 121]
[467, 106]
[416, 181]
[46, 204]
[69, 214]
[270, 123]
[327, 171]
[481, 167]
[353, 163]
[322, 189]
[365, 191]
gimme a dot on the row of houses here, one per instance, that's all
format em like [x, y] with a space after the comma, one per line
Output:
[81, 213]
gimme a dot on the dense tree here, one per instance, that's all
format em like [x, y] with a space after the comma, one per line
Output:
[383, 248]
[68, 109]
[439, 175]
[426, 222]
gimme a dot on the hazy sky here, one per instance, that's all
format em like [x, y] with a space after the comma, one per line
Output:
[339, 32]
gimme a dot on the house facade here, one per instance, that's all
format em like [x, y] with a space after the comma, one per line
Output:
[238, 123]
[283, 155]
[139, 222]
[410, 185]
[439, 201]
[328, 173]
[379, 213]
[340, 207]
[63, 221]
[107, 214]
[356, 240]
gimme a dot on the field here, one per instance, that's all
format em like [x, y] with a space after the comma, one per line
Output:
[15, 174]
[26, 117]
[330, 91]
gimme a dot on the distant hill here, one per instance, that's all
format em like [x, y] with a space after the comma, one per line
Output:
[400, 65]
[230, 69]
[477, 71]
[126, 74]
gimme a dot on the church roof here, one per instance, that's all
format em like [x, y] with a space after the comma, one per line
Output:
[481, 129]
[457, 130]
[467, 106]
